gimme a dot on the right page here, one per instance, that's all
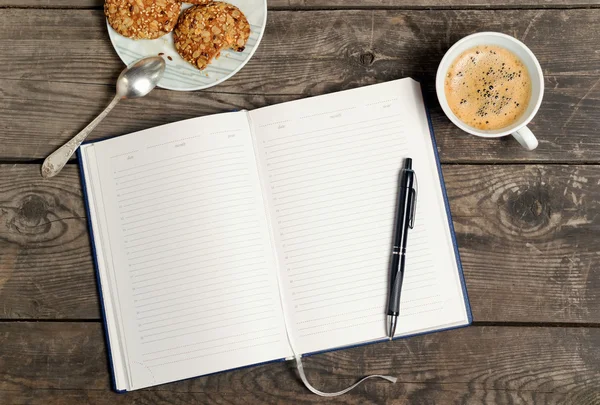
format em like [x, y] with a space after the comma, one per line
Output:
[330, 167]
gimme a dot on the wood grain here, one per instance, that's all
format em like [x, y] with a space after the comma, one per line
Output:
[45, 254]
[57, 70]
[66, 363]
[340, 4]
[527, 238]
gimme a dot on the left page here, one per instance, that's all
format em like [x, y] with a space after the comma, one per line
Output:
[185, 259]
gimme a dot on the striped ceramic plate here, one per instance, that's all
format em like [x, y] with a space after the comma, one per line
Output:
[180, 74]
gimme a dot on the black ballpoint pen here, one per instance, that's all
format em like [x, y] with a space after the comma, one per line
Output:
[405, 218]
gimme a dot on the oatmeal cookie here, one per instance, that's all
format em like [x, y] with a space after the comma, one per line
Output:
[239, 28]
[204, 31]
[142, 19]
[196, 2]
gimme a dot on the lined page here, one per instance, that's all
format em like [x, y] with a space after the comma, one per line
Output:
[330, 166]
[187, 246]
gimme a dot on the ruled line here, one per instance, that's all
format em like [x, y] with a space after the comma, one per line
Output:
[231, 236]
[386, 219]
[213, 347]
[171, 181]
[327, 112]
[213, 354]
[353, 300]
[177, 157]
[195, 287]
[321, 218]
[379, 253]
[304, 172]
[202, 323]
[164, 233]
[188, 220]
[350, 157]
[204, 318]
[329, 199]
[298, 151]
[205, 330]
[356, 246]
[173, 141]
[226, 249]
[205, 190]
[344, 327]
[340, 314]
[187, 190]
[344, 292]
[327, 129]
[208, 341]
[330, 152]
[195, 264]
[371, 315]
[237, 261]
[346, 132]
[249, 199]
[166, 288]
[194, 311]
[123, 154]
[336, 284]
[238, 294]
[221, 275]
[329, 175]
[366, 259]
[173, 169]
[349, 183]
[320, 281]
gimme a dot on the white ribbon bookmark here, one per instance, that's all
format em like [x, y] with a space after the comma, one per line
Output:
[335, 394]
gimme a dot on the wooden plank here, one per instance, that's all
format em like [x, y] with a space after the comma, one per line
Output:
[73, 46]
[527, 237]
[340, 4]
[66, 363]
[303, 54]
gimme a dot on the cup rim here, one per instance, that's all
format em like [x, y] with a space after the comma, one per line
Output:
[441, 95]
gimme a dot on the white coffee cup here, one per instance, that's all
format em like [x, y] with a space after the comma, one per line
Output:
[518, 129]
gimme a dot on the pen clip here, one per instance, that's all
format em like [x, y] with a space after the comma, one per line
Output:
[413, 202]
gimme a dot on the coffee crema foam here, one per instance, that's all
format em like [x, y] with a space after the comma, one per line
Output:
[488, 87]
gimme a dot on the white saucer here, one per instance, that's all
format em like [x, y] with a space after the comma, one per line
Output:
[180, 74]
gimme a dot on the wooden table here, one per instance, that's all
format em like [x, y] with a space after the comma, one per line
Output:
[528, 223]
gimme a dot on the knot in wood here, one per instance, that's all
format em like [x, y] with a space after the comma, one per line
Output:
[33, 210]
[367, 58]
[531, 206]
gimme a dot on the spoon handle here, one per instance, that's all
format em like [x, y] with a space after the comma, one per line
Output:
[59, 158]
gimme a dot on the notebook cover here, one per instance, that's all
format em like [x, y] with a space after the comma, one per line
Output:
[452, 233]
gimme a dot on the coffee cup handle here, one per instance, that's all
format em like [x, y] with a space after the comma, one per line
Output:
[526, 138]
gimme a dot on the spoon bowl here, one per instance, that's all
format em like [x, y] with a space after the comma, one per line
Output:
[139, 78]
[136, 80]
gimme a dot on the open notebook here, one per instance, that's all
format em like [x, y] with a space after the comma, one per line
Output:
[248, 237]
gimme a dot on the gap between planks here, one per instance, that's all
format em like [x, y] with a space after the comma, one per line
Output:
[362, 8]
[502, 324]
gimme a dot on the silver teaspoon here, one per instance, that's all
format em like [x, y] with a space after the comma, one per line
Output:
[136, 80]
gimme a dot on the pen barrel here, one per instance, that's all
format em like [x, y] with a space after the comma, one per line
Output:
[396, 285]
